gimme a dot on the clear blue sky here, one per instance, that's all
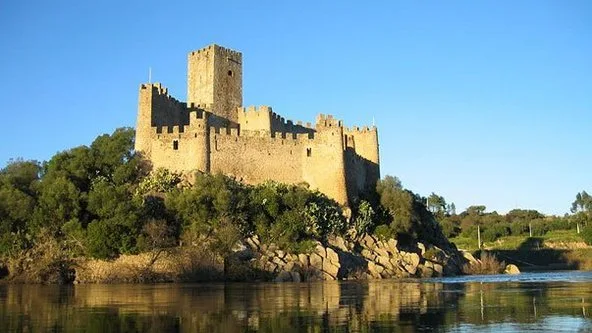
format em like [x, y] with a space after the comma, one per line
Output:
[483, 102]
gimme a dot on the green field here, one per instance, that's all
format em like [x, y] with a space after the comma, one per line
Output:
[520, 242]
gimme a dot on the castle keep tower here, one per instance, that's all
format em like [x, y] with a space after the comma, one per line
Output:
[215, 80]
[212, 132]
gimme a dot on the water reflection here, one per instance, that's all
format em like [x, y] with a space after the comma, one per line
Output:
[373, 306]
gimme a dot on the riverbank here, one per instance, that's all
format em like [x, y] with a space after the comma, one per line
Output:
[557, 250]
[369, 258]
[251, 260]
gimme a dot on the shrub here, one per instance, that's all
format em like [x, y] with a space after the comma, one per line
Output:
[587, 235]
[487, 264]
[450, 227]
[363, 220]
[494, 231]
[519, 228]
[384, 232]
[539, 228]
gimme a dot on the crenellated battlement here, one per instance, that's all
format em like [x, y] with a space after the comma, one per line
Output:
[256, 110]
[163, 92]
[328, 121]
[215, 47]
[229, 131]
[170, 129]
[200, 106]
[357, 129]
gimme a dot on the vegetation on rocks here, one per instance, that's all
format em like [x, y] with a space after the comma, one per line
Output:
[102, 201]
[486, 264]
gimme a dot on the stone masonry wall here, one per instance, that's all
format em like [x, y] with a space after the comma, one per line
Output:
[214, 76]
[213, 133]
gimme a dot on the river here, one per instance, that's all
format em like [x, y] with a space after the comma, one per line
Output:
[559, 302]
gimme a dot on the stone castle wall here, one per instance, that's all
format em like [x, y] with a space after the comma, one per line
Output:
[213, 133]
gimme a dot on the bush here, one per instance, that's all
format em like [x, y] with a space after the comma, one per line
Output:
[384, 232]
[487, 264]
[364, 216]
[587, 235]
[450, 227]
[492, 232]
[519, 228]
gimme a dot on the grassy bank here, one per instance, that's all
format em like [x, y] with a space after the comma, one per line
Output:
[557, 239]
[556, 250]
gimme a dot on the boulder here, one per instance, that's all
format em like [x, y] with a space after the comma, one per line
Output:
[332, 255]
[255, 240]
[426, 272]
[289, 266]
[270, 267]
[512, 269]
[396, 263]
[339, 243]
[281, 254]
[369, 241]
[438, 269]
[296, 277]
[392, 245]
[368, 254]
[303, 258]
[375, 269]
[411, 261]
[320, 250]
[469, 257]
[238, 247]
[252, 244]
[422, 248]
[384, 261]
[278, 261]
[381, 252]
[316, 261]
[330, 268]
[283, 277]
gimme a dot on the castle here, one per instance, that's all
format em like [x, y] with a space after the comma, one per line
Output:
[213, 132]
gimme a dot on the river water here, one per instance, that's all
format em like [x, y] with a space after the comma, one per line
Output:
[545, 302]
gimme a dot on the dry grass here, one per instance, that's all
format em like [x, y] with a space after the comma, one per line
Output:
[487, 264]
[187, 264]
[46, 262]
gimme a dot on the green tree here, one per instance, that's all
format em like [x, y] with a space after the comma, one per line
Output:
[436, 204]
[59, 201]
[583, 203]
[398, 202]
[523, 215]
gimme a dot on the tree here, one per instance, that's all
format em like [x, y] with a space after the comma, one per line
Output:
[59, 201]
[583, 203]
[21, 175]
[475, 210]
[398, 202]
[451, 209]
[436, 204]
[582, 210]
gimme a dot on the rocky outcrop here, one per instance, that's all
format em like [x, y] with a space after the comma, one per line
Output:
[367, 258]
[512, 269]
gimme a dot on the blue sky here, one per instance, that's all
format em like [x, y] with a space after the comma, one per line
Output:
[482, 102]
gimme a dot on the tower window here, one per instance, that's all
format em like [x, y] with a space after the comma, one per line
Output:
[229, 73]
[308, 152]
[175, 144]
